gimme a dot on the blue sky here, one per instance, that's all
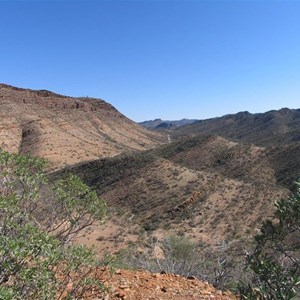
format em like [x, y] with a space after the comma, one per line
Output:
[151, 59]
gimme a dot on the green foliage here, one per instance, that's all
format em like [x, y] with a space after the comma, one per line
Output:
[175, 254]
[180, 256]
[179, 248]
[275, 260]
[78, 198]
[34, 264]
[77, 207]
[21, 176]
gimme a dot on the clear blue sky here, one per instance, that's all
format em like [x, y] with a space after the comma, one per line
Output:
[151, 59]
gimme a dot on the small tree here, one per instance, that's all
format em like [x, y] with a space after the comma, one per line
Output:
[33, 263]
[174, 254]
[179, 256]
[275, 260]
[74, 207]
[62, 210]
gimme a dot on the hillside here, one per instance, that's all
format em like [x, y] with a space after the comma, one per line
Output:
[214, 182]
[66, 130]
[264, 129]
[209, 188]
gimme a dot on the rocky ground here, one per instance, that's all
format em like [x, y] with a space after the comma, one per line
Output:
[135, 285]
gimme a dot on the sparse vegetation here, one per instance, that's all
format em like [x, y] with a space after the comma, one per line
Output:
[33, 263]
[151, 193]
[177, 254]
[272, 267]
[275, 261]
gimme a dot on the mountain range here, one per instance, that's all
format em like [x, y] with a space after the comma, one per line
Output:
[212, 180]
[265, 129]
[162, 124]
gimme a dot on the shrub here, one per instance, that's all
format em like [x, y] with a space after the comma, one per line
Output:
[275, 263]
[33, 263]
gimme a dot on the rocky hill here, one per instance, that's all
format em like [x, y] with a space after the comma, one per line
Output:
[208, 188]
[214, 182]
[264, 129]
[66, 130]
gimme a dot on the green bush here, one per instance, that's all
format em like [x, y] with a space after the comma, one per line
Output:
[275, 261]
[33, 263]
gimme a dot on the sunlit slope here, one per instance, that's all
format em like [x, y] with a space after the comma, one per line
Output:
[66, 130]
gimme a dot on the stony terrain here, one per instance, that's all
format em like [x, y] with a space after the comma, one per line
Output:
[208, 188]
[66, 130]
[214, 181]
[141, 285]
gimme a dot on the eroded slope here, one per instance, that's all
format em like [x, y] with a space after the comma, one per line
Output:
[207, 187]
[66, 130]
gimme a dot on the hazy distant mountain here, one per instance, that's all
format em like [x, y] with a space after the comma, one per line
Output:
[273, 127]
[66, 130]
[162, 124]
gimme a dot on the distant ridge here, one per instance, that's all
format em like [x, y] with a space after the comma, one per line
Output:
[265, 129]
[66, 130]
[160, 124]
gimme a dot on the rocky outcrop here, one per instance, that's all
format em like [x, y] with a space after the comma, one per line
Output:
[66, 130]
